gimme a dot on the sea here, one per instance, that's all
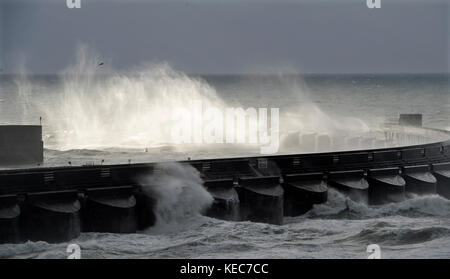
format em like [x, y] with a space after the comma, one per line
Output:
[95, 115]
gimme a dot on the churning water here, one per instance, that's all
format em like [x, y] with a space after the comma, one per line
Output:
[416, 228]
[93, 113]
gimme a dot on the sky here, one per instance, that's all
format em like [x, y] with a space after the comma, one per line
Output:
[230, 37]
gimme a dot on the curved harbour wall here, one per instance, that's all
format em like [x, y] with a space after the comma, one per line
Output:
[56, 204]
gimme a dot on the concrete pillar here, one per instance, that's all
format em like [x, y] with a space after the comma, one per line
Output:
[385, 185]
[9, 219]
[261, 199]
[302, 191]
[442, 173]
[145, 209]
[352, 183]
[51, 216]
[110, 209]
[226, 199]
[419, 179]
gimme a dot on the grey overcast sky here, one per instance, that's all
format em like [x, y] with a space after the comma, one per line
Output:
[230, 37]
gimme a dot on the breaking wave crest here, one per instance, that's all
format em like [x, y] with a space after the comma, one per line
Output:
[399, 236]
[339, 205]
[180, 195]
[90, 105]
[94, 106]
